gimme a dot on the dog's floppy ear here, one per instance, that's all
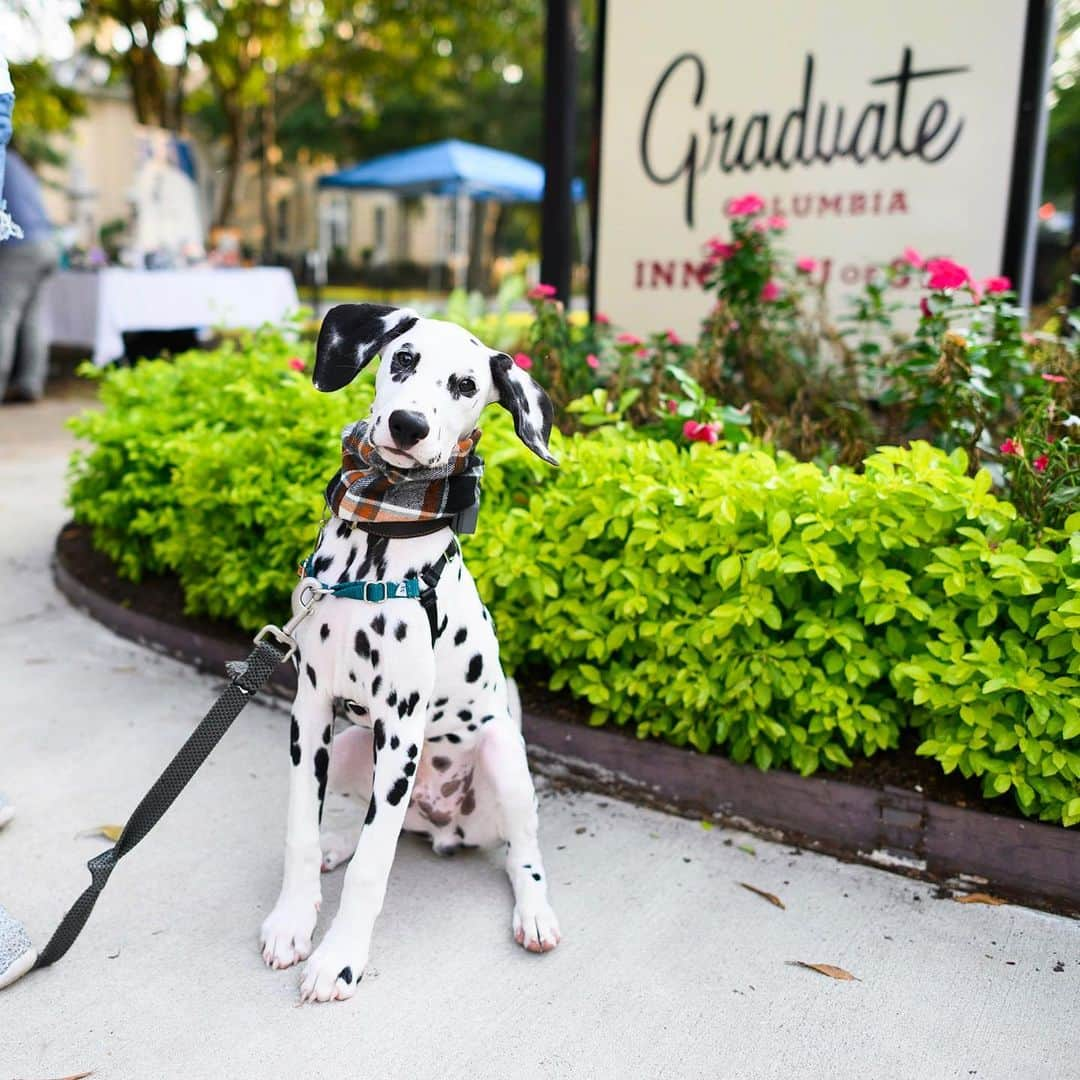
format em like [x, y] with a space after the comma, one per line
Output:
[351, 336]
[526, 401]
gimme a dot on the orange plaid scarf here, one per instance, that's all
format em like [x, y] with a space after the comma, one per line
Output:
[368, 488]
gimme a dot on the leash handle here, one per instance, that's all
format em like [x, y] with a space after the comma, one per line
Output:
[248, 678]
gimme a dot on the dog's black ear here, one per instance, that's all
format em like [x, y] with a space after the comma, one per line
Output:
[351, 336]
[525, 400]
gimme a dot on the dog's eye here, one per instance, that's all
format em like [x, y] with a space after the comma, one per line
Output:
[466, 387]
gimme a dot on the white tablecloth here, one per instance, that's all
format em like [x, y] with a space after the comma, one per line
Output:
[94, 308]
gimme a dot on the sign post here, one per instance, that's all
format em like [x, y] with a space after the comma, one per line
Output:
[870, 127]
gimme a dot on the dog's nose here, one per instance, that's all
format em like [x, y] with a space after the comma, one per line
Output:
[407, 428]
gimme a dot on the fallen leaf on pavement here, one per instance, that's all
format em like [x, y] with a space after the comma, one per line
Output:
[773, 899]
[831, 970]
[706, 824]
[748, 848]
[980, 898]
[110, 832]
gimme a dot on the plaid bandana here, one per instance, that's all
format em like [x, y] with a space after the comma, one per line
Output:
[371, 489]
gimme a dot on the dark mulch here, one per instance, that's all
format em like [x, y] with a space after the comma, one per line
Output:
[161, 597]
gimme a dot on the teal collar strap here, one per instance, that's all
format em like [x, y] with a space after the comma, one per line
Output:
[373, 591]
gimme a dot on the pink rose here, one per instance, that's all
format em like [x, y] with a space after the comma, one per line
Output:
[997, 285]
[696, 432]
[720, 250]
[778, 223]
[542, 292]
[296, 363]
[770, 291]
[912, 258]
[593, 361]
[946, 274]
[523, 361]
[1040, 463]
[672, 405]
[628, 339]
[673, 338]
[1011, 446]
[601, 318]
[747, 206]
[806, 265]
[1053, 378]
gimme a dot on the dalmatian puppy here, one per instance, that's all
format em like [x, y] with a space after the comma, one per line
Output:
[437, 746]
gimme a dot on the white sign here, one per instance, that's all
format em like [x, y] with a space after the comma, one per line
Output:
[870, 125]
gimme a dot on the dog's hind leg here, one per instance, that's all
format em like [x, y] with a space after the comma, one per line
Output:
[505, 771]
[286, 931]
[350, 774]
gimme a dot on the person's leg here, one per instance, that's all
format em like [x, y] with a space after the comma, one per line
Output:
[17, 282]
[32, 356]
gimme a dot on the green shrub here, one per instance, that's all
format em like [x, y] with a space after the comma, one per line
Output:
[742, 602]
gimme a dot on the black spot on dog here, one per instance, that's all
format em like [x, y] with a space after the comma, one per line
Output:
[410, 768]
[378, 624]
[375, 684]
[397, 792]
[311, 676]
[464, 715]
[294, 751]
[395, 742]
[440, 701]
[409, 706]
[352, 676]
[345, 975]
[374, 561]
[362, 645]
[412, 751]
[294, 730]
[485, 719]
[451, 737]
[380, 735]
[441, 764]
[374, 657]
[468, 804]
[324, 631]
[348, 561]
[322, 763]
[472, 727]
[435, 738]
[321, 564]
[442, 629]
[437, 716]
[370, 816]
[391, 698]
[461, 635]
[536, 877]
[401, 631]
[343, 530]
[476, 666]
[327, 734]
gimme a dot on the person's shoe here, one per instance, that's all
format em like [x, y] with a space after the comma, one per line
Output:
[7, 810]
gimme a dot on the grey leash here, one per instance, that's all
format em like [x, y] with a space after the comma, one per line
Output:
[273, 646]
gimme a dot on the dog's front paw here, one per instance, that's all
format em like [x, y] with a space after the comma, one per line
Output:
[286, 932]
[536, 928]
[334, 970]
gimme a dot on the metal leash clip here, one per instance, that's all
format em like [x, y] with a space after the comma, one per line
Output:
[310, 593]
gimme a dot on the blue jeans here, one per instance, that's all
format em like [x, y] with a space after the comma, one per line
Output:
[7, 104]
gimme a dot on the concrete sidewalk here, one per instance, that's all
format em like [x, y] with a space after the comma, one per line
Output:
[668, 969]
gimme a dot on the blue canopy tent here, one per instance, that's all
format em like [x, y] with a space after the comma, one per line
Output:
[461, 171]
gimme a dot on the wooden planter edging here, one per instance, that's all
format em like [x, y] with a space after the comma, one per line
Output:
[892, 828]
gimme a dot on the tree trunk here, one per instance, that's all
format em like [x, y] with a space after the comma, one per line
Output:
[234, 159]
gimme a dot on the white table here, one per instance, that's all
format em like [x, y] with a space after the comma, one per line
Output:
[94, 308]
